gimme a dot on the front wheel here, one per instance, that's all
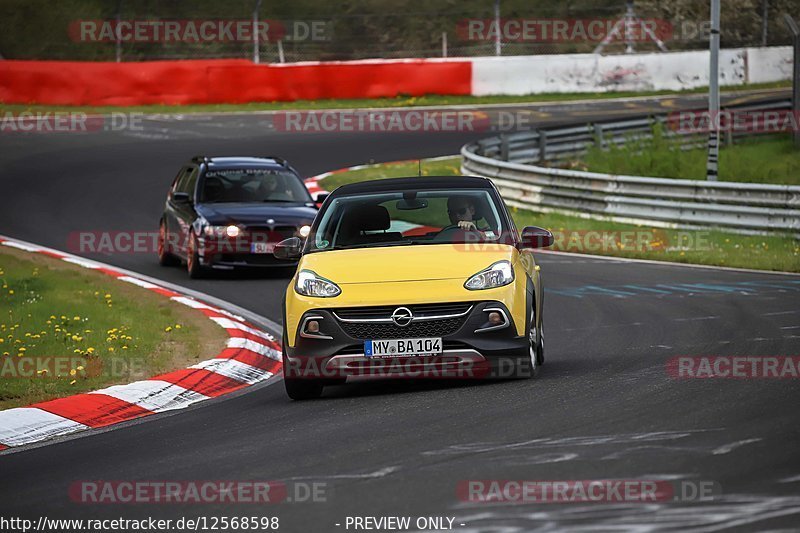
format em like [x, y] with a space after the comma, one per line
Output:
[303, 389]
[300, 389]
[193, 266]
[529, 367]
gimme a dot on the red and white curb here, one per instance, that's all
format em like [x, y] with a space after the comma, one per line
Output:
[251, 355]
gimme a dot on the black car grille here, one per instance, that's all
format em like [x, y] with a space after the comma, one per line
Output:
[421, 310]
[251, 259]
[433, 328]
[355, 321]
[270, 234]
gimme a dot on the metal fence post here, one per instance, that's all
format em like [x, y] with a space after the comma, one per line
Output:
[598, 136]
[795, 73]
[256, 48]
[504, 147]
[542, 145]
[118, 41]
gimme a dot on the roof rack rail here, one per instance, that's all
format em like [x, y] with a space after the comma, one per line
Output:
[200, 159]
[279, 160]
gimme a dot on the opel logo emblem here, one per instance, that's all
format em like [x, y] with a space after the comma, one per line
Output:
[402, 316]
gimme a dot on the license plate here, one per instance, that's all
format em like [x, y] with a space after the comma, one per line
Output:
[403, 347]
[262, 247]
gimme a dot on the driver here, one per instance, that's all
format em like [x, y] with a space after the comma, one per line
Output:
[461, 210]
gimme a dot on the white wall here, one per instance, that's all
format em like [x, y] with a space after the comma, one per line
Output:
[635, 72]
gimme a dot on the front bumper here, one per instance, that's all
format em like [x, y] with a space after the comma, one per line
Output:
[471, 347]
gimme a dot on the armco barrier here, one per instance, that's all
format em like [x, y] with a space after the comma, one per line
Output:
[225, 81]
[739, 207]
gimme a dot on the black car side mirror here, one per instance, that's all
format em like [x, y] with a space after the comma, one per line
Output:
[181, 198]
[289, 249]
[321, 197]
[536, 237]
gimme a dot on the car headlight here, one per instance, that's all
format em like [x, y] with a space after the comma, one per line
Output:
[497, 275]
[310, 284]
[221, 231]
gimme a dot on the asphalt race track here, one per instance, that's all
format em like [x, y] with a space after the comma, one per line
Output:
[603, 408]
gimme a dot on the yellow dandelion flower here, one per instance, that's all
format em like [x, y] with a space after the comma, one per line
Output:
[168, 329]
[110, 348]
[72, 382]
[72, 372]
[79, 368]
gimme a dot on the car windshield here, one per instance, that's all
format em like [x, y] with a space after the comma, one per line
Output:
[252, 186]
[408, 217]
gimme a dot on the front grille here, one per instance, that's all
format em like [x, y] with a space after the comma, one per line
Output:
[431, 328]
[420, 310]
[270, 234]
[251, 259]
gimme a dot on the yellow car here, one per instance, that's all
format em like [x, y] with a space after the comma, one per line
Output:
[421, 277]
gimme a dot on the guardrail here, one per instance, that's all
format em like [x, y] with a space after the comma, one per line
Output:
[739, 207]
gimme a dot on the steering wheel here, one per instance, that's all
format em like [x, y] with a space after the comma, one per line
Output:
[444, 233]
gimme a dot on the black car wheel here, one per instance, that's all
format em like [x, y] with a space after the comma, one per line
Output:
[301, 389]
[165, 257]
[529, 366]
[196, 270]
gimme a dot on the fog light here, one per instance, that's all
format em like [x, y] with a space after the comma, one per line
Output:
[312, 326]
[495, 318]
[232, 231]
[304, 231]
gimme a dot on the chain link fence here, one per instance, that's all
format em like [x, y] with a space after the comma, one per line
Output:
[314, 30]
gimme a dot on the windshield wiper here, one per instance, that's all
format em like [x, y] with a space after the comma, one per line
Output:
[371, 245]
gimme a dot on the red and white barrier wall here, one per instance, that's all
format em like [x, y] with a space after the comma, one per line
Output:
[240, 81]
[251, 355]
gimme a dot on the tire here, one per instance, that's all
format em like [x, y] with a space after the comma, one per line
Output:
[301, 389]
[193, 266]
[540, 345]
[528, 368]
[165, 257]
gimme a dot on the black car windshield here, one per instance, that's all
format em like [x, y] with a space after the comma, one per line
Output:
[252, 186]
[409, 217]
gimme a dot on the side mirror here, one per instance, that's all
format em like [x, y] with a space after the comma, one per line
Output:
[181, 198]
[321, 197]
[289, 249]
[536, 237]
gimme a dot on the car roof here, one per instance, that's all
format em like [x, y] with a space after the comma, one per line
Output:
[415, 183]
[244, 162]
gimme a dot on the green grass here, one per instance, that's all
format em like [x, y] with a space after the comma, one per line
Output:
[400, 101]
[605, 237]
[770, 159]
[86, 331]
